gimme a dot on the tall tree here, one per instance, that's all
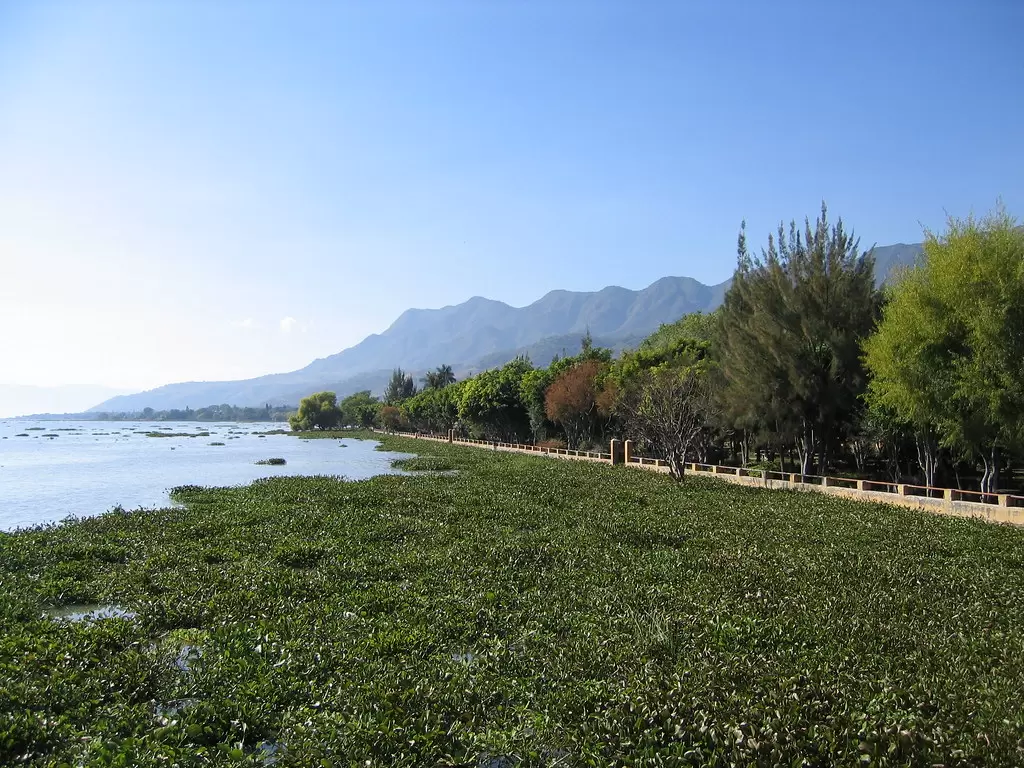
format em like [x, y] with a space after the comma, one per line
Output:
[439, 378]
[400, 387]
[791, 328]
[948, 357]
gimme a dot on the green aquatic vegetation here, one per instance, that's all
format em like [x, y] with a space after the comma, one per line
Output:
[22, 434]
[216, 443]
[51, 435]
[35, 429]
[523, 612]
[273, 462]
[424, 464]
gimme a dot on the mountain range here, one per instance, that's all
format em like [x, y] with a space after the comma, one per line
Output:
[472, 336]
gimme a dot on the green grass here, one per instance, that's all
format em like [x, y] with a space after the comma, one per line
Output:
[554, 612]
[273, 462]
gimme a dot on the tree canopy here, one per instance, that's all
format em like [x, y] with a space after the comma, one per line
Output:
[791, 328]
[318, 411]
[948, 357]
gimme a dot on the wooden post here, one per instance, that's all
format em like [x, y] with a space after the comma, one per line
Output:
[628, 451]
[615, 449]
[1004, 499]
[860, 485]
[948, 494]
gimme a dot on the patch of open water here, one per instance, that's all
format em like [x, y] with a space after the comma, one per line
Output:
[92, 467]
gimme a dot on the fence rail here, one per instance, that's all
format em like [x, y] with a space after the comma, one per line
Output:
[996, 507]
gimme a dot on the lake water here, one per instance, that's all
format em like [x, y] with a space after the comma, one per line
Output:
[81, 468]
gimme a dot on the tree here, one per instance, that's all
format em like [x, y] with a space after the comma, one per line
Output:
[391, 418]
[439, 378]
[318, 411]
[491, 402]
[948, 356]
[401, 387]
[790, 335]
[571, 401]
[667, 411]
[360, 409]
[433, 410]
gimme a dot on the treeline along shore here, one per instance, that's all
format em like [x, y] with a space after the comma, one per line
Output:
[807, 368]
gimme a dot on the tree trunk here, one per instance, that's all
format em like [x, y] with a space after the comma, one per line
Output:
[744, 449]
[927, 456]
[805, 450]
[990, 479]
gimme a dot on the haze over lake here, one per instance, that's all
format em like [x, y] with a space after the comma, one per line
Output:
[52, 469]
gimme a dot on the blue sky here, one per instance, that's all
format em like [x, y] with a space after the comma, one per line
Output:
[195, 190]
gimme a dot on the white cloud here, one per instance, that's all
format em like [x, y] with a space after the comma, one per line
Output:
[247, 324]
[287, 324]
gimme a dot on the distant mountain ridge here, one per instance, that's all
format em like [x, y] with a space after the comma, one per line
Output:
[477, 334]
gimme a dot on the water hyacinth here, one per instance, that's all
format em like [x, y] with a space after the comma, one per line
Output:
[522, 612]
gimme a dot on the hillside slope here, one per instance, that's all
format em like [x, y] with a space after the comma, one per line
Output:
[477, 334]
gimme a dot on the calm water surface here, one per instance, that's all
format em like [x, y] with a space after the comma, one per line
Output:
[81, 468]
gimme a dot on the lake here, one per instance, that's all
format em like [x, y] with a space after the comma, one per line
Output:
[52, 469]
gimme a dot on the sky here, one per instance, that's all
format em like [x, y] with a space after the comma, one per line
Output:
[203, 191]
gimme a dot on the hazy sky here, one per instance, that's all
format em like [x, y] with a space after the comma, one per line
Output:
[209, 190]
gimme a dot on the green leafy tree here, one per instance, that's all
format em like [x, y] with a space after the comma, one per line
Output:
[318, 411]
[491, 403]
[360, 409]
[695, 326]
[400, 387]
[433, 410]
[948, 356]
[791, 328]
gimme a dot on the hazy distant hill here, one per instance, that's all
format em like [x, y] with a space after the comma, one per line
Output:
[18, 400]
[479, 333]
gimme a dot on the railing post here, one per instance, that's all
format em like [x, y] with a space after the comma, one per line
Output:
[792, 478]
[901, 489]
[451, 435]
[860, 485]
[615, 449]
[948, 494]
[1004, 499]
[627, 448]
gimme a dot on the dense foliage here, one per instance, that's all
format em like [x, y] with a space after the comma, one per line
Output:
[521, 611]
[318, 411]
[948, 358]
[794, 362]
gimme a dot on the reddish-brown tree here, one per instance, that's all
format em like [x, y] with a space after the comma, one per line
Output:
[571, 401]
[391, 418]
